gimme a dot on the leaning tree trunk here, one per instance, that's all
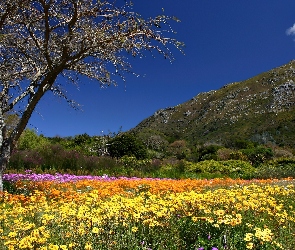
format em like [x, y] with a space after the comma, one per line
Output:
[7, 142]
[2, 167]
[4, 150]
[4, 159]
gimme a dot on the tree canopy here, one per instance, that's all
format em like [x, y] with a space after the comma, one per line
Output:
[45, 43]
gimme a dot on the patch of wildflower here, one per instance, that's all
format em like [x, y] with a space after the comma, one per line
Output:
[164, 214]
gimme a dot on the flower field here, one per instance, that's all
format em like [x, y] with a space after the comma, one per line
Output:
[86, 212]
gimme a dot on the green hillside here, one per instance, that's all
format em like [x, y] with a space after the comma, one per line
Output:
[260, 109]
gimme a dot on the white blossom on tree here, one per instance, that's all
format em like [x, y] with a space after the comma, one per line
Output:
[43, 42]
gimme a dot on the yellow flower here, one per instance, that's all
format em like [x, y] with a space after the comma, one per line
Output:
[219, 212]
[10, 243]
[53, 247]
[134, 229]
[264, 235]
[249, 225]
[88, 246]
[72, 245]
[207, 211]
[249, 245]
[95, 230]
[25, 243]
[210, 220]
[248, 237]
[12, 234]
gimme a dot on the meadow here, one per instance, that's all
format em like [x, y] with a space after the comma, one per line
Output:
[62, 211]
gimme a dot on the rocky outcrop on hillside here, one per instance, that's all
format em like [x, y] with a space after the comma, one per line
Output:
[283, 97]
[264, 104]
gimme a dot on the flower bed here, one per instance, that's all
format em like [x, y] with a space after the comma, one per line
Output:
[71, 212]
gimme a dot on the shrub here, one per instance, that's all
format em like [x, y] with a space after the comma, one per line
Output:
[230, 168]
[208, 152]
[25, 159]
[52, 157]
[179, 149]
[258, 155]
[238, 155]
[243, 144]
[279, 152]
[130, 164]
[278, 168]
[30, 140]
[224, 154]
[153, 154]
[126, 144]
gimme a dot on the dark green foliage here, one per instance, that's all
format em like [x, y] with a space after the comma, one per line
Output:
[83, 154]
[81, 139]
[258, 154]
[126, 144]
[208, 152]
[153, 140]
[278, 168]
[85, 144]
[242, 144]
[179, 149]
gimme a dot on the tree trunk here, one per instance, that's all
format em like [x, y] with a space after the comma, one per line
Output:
[7, 142]
[1, 179]
[2, 167]
[5, 153]
[4, 159]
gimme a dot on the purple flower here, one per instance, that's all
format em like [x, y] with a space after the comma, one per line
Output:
[30, 176]
[214, 248]
[201, 248]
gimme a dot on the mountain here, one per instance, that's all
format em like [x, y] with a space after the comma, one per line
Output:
[260, 109]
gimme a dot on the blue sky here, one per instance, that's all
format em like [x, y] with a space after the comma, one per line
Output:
[226, 41]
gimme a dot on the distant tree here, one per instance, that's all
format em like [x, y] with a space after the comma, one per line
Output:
[45, 41]
[208, 152]
[126, 144]
[81, 139]
[258, 155]
[30, 140]
[179, 149]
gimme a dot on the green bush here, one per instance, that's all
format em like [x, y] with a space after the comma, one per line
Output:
[243, 144]
[179, 149]
[30, 140]
[229, 168]
[238, 155]
[224, 154]
[258, 155]
[208, 152]
[131, 165]
[277, 168]
[126, 144]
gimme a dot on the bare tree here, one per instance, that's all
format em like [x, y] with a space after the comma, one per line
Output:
[43, 42]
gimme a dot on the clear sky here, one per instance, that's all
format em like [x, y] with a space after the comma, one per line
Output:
[226, 41]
